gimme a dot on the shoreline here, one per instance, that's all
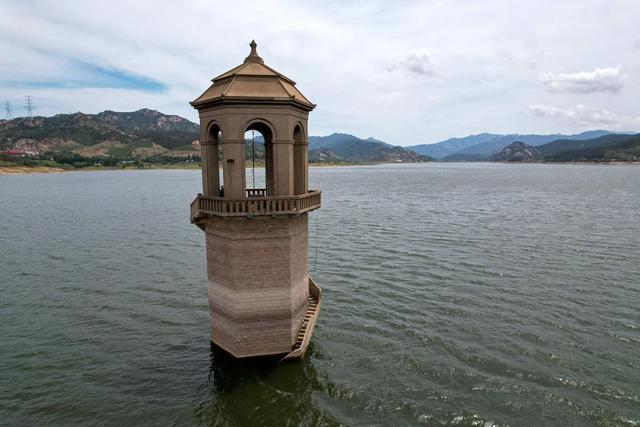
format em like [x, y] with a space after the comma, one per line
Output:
[23, 170]
[615, 163]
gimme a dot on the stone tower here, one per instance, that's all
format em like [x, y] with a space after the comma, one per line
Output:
[261, 298]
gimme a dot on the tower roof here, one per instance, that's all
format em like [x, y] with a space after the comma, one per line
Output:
[252, 81]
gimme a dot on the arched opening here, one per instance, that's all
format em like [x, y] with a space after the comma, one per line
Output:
[258, 139]
[254, 149]
[299, 161]
[211, 150]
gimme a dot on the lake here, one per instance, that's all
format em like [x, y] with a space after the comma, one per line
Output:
[466, 294]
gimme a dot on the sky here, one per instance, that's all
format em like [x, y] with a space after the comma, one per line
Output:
[406, 72]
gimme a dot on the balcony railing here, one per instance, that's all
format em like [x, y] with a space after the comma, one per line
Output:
[256, 192]
[256, 203]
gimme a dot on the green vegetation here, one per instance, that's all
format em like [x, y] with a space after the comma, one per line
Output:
[608, 148]
[89, 129]
[70, 161]
[340, 147]
[127, 150]
[148, 138]
[611, 148]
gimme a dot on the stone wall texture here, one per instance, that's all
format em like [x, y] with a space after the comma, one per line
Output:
[258, 282]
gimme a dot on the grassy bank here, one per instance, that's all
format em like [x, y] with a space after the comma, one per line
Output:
[60, 162]
[19, 170]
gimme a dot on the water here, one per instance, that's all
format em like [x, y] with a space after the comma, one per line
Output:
[467, 294]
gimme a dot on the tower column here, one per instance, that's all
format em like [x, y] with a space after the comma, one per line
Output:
[233, 168]
[210, 168]
[305, 162]
[300, 168]
[283, 167]
[268, 168]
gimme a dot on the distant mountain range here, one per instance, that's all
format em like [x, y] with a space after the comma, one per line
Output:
[147, 134]
[483, 146]
[607, 148]
[141, 133]
[345, 147]
[150, 135]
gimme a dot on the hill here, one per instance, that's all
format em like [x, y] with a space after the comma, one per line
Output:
[149, 134]
[609, 148]
[137, 134]
[128, 133]
[482, 146]
[517, 152]
[350, 148]
[450, 146]
[495, 145]
[558, 146]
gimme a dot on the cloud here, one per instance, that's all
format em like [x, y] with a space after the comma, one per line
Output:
[345, 56]
[598, 80]
[81, 75]
[583, 116]
[417, 61]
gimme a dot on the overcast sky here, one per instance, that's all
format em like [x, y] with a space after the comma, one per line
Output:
[401, 71]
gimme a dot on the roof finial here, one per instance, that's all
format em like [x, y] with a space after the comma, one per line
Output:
[253, 56]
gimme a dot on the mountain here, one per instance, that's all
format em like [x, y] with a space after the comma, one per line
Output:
[136, 134]
[482, 146]
[336, 139]
[442, 149]
[609, 148]
[350, 148]
[495, 145]
[517, 151]
[150, 134]
[558, 146]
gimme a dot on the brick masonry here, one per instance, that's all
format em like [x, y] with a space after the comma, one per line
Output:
[258, 282]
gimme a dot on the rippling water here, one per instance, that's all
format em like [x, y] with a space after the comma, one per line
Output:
[463, 294]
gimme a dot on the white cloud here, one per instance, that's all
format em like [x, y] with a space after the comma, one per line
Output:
[417, 61]
[583, 116]
[485, 56]
[598, 80]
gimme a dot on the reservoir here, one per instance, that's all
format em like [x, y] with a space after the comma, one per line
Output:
[467, 294]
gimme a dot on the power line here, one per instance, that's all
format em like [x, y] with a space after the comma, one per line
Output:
[253, 151]
[28, 104]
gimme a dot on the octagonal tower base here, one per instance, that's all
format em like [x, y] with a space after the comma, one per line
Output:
[258, 282]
